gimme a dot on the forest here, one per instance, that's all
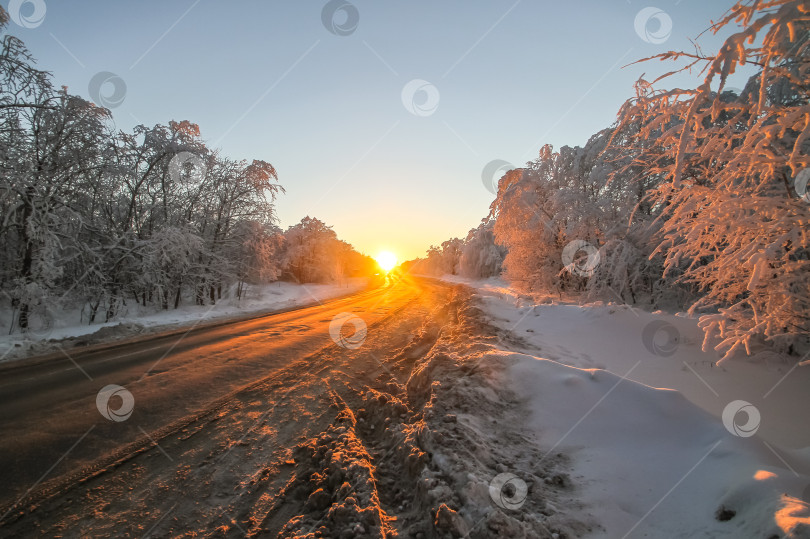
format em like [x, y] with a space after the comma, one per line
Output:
[693, 199]
[97, 217]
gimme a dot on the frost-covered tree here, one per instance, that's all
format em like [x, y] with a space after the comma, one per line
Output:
[480, 256]
[476, 256]
[443, 259]
[314, 254]
[52, 154]
[526, 228]
[171, 256]
[100, 217]
[733, 215]
[559, 198]
[693, 198]
[256, 253]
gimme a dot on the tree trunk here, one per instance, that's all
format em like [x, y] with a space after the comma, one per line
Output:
[111, 307]
[28, 258]
[93, 310]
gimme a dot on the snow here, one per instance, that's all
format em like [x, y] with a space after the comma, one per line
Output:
[257, 300]
[645, 453]
[650, 451]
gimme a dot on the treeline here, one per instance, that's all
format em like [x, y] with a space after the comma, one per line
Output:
[476, 256]
[98, 217]
[693, 199]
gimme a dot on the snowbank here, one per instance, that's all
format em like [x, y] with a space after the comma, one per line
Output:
[653, 464]
[258, 299]
[630, 396]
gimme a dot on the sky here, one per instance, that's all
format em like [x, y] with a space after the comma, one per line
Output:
[379, 116]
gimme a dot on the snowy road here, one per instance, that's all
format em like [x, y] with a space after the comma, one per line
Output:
[52, 425]
[434, 423]
[269, 428]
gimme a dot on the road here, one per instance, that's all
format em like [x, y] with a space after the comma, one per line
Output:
[55, 436]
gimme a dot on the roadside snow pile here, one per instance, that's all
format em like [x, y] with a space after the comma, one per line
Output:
[653, 464]
[136, 319]
[336, 477]
[650, 462]
[486, 477]
[434, 448]
[659, 350]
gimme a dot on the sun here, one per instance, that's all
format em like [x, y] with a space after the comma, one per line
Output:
[386, 260]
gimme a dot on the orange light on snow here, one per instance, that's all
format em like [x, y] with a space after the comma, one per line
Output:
[762, 475]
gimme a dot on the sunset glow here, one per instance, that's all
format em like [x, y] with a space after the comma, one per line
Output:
[386, 260]
[350, 269]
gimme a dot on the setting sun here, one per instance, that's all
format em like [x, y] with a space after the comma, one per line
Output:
[386, 260]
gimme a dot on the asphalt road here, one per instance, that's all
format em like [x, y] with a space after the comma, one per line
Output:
[53, 428]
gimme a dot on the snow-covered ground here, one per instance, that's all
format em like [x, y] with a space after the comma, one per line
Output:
[136, 319]
[664, 442]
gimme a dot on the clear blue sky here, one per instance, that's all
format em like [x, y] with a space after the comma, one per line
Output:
[267, 80]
